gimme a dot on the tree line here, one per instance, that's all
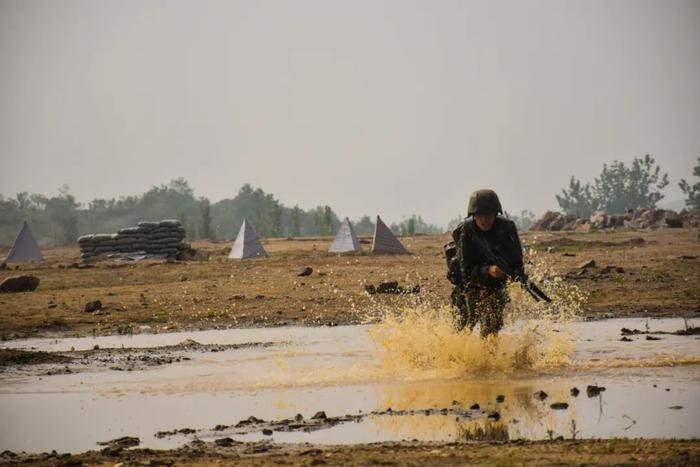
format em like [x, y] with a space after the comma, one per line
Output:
[61, 219]
[620, 188]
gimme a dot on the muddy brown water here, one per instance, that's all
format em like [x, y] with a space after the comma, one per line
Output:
[652, 390]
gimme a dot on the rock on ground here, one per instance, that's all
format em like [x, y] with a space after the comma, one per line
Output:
[19, 284]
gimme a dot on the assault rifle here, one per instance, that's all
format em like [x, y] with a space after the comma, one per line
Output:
[517, 275]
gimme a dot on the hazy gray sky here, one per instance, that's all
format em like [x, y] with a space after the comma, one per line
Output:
[389, 107]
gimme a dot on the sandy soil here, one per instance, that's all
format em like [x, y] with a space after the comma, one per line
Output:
[610, 452]
[655, 276]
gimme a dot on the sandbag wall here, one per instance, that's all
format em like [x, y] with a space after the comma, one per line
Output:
[154, 238]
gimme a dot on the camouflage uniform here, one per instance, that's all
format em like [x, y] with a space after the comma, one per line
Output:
[481, 298]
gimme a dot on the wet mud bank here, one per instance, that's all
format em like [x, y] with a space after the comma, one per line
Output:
[20, 362]
[545, 453]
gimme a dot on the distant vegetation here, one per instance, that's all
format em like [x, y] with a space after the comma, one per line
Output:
[60, 219]
[692, 192]
[618, 189]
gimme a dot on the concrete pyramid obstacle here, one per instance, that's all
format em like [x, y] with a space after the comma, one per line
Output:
[25, 247]
[247, 244]
[345, 240]
[385, 242]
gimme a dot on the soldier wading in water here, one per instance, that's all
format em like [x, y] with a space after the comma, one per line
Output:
[486, 251]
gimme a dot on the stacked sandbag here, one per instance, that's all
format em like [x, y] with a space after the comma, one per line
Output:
[164, 238]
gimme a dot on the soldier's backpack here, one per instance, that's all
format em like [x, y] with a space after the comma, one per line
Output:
[454, 272]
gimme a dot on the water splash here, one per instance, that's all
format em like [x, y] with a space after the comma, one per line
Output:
[418, 340]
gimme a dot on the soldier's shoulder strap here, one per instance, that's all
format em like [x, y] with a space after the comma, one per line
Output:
[457, 231]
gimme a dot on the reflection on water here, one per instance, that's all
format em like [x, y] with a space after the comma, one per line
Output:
[341, 371]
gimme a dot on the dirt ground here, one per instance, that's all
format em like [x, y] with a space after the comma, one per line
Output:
[638, 273]
[544, 453]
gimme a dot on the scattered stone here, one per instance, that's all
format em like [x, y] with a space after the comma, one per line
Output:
[456, 402]
[267, 432]
[224, 442]
[388, 287]
[93, 306]
[626, 339]
[586, 264]
[306, 272]
[391, 287]
[52, 305]
[500, 398]
[123, 442]
[652, 338]
[645, 218]
[559, 406]
[592, 390]
[298, 417]
[3, 266]
[495, 416]
[112, 451]
[568, 254]
[189, 343]
[574, 391]
[541, 395]
[320, 415]
[16, 284]
[474, 407]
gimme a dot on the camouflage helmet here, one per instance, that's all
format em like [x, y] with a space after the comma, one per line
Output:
[484, 202]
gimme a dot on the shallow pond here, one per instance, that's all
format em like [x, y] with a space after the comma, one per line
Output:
[652, 390]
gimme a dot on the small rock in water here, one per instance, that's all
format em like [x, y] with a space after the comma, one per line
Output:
[92, 306]
[592, 390]
[320, 415]
[267, 432]
[306, 272]
[298, 417]
[560, 406]
[574, 391]
[676, 407]
[123, 442]
[541, 395]
[224, 442]
[500, 398]
[652, 338]
[188, 343]
[626, 339]
[474, 407]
